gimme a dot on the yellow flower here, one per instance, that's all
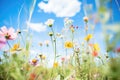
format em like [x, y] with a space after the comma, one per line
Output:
[68, 44]
[88, 37]
[96, 47]
[43, 57]
[15, 47]
[55, 64]
[72, 29]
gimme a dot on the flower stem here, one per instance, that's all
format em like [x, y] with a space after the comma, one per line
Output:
[54, 43]
[9, 44]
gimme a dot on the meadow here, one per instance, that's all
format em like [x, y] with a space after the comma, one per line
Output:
[82, 56]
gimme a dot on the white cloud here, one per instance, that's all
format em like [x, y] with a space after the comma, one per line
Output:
[39, 27]
[61, 8]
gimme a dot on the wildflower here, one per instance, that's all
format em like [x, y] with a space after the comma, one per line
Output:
[50, 33]
[43, 57]
[55, 64]
[32, 76]
[40, 55]
[34, 61]
[88, 37]
[61, 36]
[25, 67]
[77, 27]
[9, 34]
[58, 34]
[46, 42]
[77, 50]
[62, 59]
[90, 44]
[49, 22]
[96, 47]
[94, 53]
[18, 31]
[82, 43]
[68, 44]
[72, 28]
[96, 75]
[85, 19]
[15, 47]
[40, 44]
[118, 50]
[2, 42]
[68, 21]
[107, 56]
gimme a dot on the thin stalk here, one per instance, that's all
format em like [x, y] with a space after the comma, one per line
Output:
[22, 39]
[9, 44]
[55, 52]
[86, 28]
[54, 46]
[64, 48]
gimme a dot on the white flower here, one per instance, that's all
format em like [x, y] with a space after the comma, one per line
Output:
[68, 21]
[49, 22]
[61, 36]
[46, 42]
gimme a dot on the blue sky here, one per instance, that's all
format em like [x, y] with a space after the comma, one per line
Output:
[9, 12]
[43, 10]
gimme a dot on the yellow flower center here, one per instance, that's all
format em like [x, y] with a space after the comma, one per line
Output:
[55, 64]
[68, 44]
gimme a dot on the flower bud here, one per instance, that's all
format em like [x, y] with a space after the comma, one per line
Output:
[50, 33]
[85, 19]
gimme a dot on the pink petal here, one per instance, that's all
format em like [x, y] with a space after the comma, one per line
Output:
[2, 42]
[4, 29]
[1, 33]
[11, 31]
[13, 36]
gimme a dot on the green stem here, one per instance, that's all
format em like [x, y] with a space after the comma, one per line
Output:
[86, 28]
[8, 44]
[22, 39]
[54, 46]
[101, 60]
[55, 52]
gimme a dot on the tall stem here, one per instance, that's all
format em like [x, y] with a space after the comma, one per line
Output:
[54, 44]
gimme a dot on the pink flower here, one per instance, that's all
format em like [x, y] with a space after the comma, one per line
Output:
[2, 42]
[6, 34]
[118, 50]
[63, 59]
[9, 34]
